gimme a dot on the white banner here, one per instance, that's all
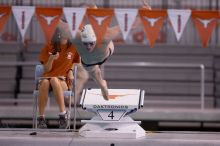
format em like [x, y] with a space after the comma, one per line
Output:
[125, 19]
[23, 15]
[74, 18]
[178, 19]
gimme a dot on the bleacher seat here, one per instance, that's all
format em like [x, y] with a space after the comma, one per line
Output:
[10, 48]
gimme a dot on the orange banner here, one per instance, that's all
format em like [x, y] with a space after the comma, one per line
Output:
[100, 20]
[48, 19]
[5, 12]
[152, 21]
[205, 22]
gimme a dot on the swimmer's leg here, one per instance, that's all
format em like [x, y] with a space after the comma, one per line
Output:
[96, 75]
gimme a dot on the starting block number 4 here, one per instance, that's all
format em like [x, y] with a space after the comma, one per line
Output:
[111, 115]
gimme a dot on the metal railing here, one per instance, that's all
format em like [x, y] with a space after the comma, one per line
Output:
[169, 65]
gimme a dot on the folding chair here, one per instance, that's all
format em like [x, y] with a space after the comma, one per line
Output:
[38, 73]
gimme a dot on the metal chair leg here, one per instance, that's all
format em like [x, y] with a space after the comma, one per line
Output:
[35, 102]
[69, 116]
[34, 113]
[75, 81]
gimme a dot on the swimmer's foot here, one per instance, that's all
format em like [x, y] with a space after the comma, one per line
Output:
[104, 90]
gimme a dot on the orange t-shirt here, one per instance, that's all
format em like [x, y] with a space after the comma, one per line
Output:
[61, 66]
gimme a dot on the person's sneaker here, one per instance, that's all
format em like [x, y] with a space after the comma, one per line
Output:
[42, 122]
[64, 121]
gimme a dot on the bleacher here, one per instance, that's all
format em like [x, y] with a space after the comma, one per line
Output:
[165, 87]
[161, 83]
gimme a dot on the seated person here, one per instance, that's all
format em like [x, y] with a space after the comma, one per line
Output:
[58, 59]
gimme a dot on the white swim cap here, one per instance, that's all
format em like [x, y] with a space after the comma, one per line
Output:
[88, 34]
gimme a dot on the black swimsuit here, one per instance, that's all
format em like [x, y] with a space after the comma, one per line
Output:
[98, 63]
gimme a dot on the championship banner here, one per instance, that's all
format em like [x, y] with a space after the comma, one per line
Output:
[205, 22]
[125, 18]
[74, 18]
[48, 19]
[5, 12]
[100, 20]
[23, 15]
[178, 19]
[152, 21]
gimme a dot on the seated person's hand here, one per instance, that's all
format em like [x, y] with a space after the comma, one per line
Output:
[70, 79]
[55, 56]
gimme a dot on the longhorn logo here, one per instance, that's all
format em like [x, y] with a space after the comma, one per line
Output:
[152, 21]
[205, 22]
[99, 19]
[49, 19]
[114, 96]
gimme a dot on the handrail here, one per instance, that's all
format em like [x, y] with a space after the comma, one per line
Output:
[170, 65]
[137, 64]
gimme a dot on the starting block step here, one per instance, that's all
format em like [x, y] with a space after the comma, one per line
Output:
[113, 130]
[112, 118]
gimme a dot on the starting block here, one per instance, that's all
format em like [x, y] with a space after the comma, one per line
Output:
[111, 117]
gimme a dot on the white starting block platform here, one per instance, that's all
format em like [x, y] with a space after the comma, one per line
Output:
[112, 118]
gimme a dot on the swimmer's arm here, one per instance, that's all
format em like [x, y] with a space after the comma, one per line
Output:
[146, 5]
